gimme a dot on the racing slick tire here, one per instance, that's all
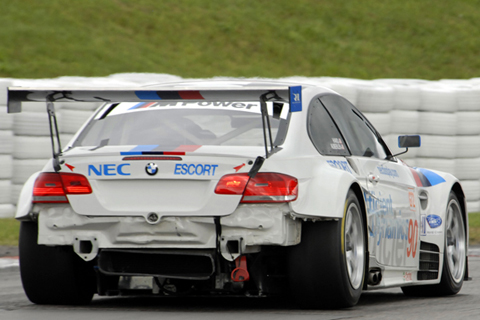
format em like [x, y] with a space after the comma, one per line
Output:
[454, 256]
[53, 275]
[327, 268]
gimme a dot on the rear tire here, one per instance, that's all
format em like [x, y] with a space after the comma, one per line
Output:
[454, 256]
[327, 269]
[53, 275]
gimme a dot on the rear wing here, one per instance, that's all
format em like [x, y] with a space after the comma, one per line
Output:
[16, 95]
[290, 94]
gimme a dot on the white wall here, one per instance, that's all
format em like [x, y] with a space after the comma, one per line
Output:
[445, 113]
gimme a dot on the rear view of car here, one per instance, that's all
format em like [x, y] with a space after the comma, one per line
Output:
[244, 188]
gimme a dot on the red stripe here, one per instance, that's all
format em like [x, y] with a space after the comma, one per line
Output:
[147, 105]
[416, 177]
[173, 153]
[187, 148]
[191, 95]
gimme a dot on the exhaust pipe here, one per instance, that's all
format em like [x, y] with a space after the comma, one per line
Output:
[374, 277]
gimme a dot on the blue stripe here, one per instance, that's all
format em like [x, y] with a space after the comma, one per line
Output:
[139, 149]
[138, 105]
[147, 95]
[431, 176]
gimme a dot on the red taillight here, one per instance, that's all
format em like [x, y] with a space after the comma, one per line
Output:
[53, 187]
[265, 187]
[232, 184]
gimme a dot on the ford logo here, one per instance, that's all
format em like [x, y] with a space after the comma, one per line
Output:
[434, 221]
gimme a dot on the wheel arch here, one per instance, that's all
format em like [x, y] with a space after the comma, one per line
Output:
[457, 189]
[357, 190]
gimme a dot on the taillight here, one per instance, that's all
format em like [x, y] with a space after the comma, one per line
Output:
[53, 187]
[265, 187]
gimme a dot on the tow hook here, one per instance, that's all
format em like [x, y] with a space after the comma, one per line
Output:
[240, 273]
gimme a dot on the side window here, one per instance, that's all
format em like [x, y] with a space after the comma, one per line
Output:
[358, 133]
[323, 132]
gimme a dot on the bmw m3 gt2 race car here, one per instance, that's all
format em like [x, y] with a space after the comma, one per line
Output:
[233, 188]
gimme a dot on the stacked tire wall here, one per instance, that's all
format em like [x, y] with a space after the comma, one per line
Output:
[445, 113]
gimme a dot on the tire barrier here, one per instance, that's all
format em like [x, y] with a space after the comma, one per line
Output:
[446, 113]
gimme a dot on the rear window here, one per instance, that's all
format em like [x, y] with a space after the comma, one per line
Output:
[184, 123]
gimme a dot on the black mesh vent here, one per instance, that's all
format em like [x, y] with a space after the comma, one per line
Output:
[429, 261]
[187, 265]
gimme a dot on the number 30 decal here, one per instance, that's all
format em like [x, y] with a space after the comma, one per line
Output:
[412, 238]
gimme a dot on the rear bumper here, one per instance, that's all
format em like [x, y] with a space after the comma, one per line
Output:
[253, 225]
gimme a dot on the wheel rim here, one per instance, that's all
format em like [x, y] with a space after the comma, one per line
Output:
[354, 245]
[455, 241]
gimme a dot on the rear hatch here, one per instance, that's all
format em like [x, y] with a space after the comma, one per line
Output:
[179, 183]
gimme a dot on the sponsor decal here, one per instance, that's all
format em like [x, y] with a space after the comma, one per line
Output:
[412, 238]
[108, 169]
[69, 167]
[407, 277]
[195, 169]
[423, 225]
[388, 172]
[151, 169]
[434, 221]
[237, 168]
[395, 238]
[342, 165]
[296, 99]
[169, 95]
[337, 144]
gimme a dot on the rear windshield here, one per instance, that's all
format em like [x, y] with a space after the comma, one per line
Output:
[180, 123]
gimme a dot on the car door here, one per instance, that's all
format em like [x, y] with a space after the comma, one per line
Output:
[389, 192]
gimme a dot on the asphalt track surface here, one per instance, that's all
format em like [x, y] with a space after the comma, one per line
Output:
[383, 304]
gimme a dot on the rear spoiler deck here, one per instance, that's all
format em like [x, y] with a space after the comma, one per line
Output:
[290, 94]
[16, 95]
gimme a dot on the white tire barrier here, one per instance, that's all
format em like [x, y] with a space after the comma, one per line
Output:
[6, 142]
[23, 169]
[406, 97]
[16, 190]
[435, 123]
[467, 169]
[468, 98]
[438, 99]
[31, 124]
[471, 188]
[27, 147]
[375, 98]
[5, 191]
[445, 165]
[468, 147]
[381, 122]
[438, 147]
[406, 122]
[6, 120]
[6, 166]
[468, 123]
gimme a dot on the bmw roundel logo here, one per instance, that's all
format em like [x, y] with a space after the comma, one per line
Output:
[151, 169]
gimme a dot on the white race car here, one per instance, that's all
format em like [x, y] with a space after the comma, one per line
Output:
[254, 188]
